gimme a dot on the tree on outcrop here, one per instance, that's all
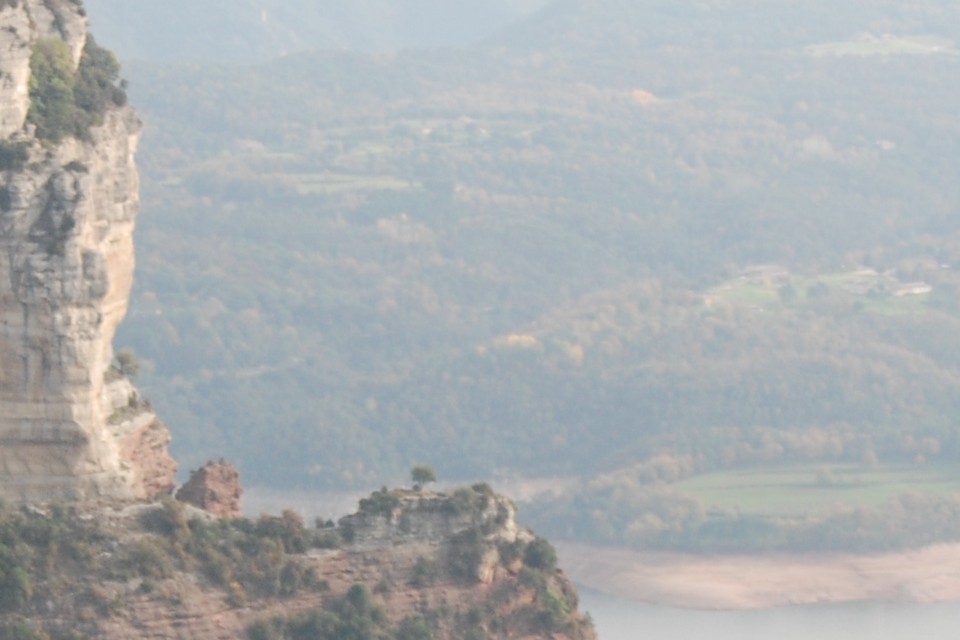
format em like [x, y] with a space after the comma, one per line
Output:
[422, 475]
[540, 554]
[98, 85]
[127, 364]
[64, 101]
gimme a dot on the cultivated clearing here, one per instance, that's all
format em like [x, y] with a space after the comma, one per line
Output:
[809, 489]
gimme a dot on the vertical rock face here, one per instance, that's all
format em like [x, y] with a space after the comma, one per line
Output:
[71, 427]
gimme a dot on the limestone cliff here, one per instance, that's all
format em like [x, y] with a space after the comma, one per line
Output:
[426, 519]
[71, 426]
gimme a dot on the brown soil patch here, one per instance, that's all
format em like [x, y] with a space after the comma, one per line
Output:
[931, 574]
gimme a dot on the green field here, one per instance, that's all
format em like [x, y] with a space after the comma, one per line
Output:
[798, 291]
[339, 183]
[883, 46]
[809, 489]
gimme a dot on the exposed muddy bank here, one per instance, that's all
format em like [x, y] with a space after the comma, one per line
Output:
[739, 582]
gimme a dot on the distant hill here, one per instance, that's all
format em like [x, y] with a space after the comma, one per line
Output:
[575, 28]
[248, 30]
[529, 261]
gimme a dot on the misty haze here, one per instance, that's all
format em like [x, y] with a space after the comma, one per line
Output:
[681, 279]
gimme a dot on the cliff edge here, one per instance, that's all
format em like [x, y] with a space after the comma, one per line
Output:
[407, 566]
[72, 427]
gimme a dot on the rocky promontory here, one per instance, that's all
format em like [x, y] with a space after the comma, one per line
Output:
[408, 565]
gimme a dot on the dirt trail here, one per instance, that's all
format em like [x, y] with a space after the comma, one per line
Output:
[755, 582]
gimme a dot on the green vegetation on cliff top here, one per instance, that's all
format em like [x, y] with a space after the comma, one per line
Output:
[64, 102]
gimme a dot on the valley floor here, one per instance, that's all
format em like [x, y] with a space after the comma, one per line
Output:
[924, 575]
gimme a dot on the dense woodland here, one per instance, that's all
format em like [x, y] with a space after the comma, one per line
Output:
[538, 256]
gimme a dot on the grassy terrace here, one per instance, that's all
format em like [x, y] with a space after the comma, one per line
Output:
[809, 489]
[883, 46]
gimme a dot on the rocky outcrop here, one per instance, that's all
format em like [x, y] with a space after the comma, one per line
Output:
[166, 570]
[71, 427]
[389, 517]
[214, 487]
[475, 516]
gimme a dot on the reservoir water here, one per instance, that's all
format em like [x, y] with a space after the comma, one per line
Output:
[618, 619]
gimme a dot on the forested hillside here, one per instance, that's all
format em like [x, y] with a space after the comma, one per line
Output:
[245, 31]
[617, 231]
[594, 31]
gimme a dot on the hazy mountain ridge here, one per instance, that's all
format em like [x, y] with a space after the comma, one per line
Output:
[251, 30]
[573, 28]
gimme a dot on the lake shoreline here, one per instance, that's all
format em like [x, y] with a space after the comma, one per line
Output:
[720, 582]
[744, 582]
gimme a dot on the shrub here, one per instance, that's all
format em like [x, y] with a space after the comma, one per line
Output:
[52, 104]
[145, 559]
[329, 539]
[414, 629]
[95, 88]
[289, 529]
[424, 573]
[541, 555]
[464, 555]
[64, 102]
[126, 362]
[556, 612]
[469, 500]
[15, 588]
[381, 502]
[21, 631]
[532, 579]
[169, 520]
[509, 552]
[353, 617]
[291, 578]
[13, 155]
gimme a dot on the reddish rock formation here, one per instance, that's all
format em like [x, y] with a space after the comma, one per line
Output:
[215, 487]
[145, 446]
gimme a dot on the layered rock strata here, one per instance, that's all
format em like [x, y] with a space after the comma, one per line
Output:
[71, 426]
[430, 520]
